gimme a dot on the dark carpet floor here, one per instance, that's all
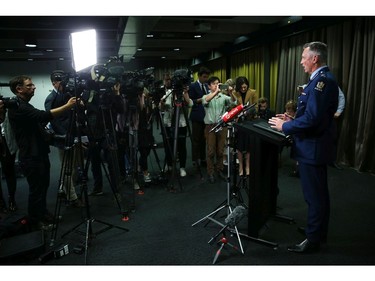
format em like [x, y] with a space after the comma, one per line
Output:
[161, 231]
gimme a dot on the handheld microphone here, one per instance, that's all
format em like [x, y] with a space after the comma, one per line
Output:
[234, 218]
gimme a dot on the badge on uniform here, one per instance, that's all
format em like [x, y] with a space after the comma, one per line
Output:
[319, 86]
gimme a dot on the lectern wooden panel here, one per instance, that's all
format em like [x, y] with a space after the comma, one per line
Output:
[263, 181]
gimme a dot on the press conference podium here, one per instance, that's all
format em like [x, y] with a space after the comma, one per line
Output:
[265, 145]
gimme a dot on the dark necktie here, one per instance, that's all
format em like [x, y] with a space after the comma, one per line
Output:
[203, 90]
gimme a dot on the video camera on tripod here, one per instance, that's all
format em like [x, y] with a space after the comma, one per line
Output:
[181, 79]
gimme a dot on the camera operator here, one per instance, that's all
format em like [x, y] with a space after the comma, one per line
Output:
[61, 126]
[167, 104]
[28, 125]
[101, 108]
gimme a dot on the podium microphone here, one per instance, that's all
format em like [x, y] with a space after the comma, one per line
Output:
[247, 109]
[228, 116]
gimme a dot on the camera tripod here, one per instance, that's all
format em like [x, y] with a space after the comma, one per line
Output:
[232, 194]
[69, 165]
[176, 98]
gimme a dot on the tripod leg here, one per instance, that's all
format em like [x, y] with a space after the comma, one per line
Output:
[171, 186]
[218, 252]
[209, 215]
[87, 237]
[217, 234]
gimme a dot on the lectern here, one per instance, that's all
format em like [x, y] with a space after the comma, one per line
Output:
[265, 144]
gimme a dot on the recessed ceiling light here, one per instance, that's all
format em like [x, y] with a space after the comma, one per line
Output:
[61, 58]
[30, 43]
[197, 36]
[139, 49]
[30, 59]
[9, 50]
[49, 50]
[163, 57]
[176, 49]
[150, 35]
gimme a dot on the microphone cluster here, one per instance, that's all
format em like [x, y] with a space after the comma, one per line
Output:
[237, 112]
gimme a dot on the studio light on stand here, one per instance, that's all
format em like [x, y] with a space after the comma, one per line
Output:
[84, 55]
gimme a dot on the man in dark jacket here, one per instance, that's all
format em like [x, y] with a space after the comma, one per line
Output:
[28, 125]
[313, 135]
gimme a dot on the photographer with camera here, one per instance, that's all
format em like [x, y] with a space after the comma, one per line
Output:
[215, 104]
[61, 126]
[167, 104]
[28, 125]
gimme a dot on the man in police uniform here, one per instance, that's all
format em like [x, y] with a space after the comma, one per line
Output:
[313, 134]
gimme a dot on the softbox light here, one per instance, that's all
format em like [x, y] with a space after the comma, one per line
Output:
[83, 46]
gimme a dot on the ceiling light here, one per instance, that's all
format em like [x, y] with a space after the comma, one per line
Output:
[30, 59]
[9, 50]
[150, 36]
[30, 43]
[49, 50]
[163, 57]
[139, 49]
[197, 36]
[61, 58]
[176, 49]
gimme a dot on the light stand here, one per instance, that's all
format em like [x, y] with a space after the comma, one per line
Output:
[81, 42]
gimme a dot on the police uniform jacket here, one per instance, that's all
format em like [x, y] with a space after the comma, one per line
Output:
[313, 126]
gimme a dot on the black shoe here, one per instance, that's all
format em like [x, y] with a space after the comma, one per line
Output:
[305, 247]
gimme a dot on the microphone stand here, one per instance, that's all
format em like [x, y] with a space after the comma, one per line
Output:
[227, 202]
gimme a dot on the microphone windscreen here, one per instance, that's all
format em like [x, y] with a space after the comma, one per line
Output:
[234, 218]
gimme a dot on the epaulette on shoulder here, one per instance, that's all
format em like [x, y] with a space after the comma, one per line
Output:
[323, 74]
